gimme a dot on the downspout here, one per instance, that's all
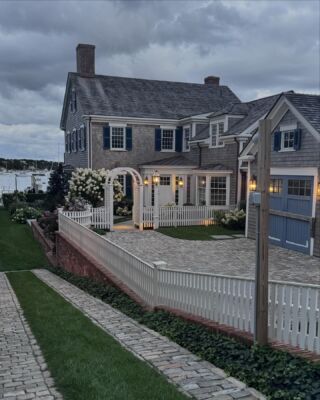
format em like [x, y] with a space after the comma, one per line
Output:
[89, 125]
[237, 169]
[200, 155]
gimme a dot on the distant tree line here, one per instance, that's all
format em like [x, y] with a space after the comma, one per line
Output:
[21, 164]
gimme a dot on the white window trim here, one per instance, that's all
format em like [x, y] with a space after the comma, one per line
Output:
[82, 137]
[124, 137]
[184, 149]
[218, 135]
[282, 148]
[169, 128]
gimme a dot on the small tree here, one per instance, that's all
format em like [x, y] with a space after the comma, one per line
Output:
[89, 185]
[57, 188]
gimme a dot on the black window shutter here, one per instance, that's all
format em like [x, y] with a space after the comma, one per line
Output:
[157, 139]
[106, 137]
[277, 141]
[179, 134]
[76, 140]
[129, 139]
[84, 144]
[297, 139]
[69, 142]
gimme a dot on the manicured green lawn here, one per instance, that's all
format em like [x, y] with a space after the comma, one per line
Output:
[197, 232]
[86, 363]
[18, 249]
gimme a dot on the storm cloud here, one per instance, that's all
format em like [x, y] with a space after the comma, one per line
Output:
[256, 47]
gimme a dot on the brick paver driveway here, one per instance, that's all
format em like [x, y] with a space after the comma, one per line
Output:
[234, 257]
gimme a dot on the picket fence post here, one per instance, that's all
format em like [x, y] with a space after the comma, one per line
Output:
[157, 265]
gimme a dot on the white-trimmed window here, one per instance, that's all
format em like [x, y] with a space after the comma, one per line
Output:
[167, 140]
[118, 139]
[216, 131]
[218, 190]
[122, 180]
[73, 101]
[202, 190]
[186, 138]
[82, 138]
[287, 140]
[165, 180]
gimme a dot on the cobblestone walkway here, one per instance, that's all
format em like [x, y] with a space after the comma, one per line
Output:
[23, 371]
[234, 257]
[193, 376]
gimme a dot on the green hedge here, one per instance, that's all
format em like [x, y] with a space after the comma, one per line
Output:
[277, 374]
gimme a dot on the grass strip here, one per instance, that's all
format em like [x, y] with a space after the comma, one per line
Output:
[86, 363]
[277, 374]
[197, 232]
[18, 249]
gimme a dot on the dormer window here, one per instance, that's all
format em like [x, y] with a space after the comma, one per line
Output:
[73, 101]
[217, 130]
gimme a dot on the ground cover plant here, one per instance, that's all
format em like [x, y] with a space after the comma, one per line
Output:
[277, 374]
[18, 249]
[85, 362]
[198, 232]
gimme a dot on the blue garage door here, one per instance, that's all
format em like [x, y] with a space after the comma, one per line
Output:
[290, 212]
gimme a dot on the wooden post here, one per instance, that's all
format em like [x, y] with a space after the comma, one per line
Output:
[262, 273]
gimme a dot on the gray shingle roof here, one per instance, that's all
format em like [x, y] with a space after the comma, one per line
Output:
[172, 161]
[130, 97]
[214, 167]
[253, 111]
[308, 105]
[201, 134]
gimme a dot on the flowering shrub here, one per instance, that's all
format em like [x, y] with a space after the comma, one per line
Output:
[22, 214]
[89, 184]
[234, 219]
[123, 211]
[75, 204]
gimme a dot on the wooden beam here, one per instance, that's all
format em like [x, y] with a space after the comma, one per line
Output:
[262, 270]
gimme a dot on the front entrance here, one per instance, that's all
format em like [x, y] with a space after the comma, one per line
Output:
[290, 222]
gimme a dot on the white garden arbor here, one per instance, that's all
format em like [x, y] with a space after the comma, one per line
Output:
[137, 192]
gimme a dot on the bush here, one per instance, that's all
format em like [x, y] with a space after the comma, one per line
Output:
[15, 205]
[49, 224]
[22, 214]
[32, 197]
[234, 219]
[123, 211]
[75, 204]
[9, 198]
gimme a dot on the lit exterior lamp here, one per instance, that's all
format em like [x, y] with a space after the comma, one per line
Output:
[271, 188]
[146, 181]
[156, 178]
[181, 183]
[253, 184]
[318, 191]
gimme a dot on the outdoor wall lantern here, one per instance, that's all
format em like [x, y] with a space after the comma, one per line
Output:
[146, 181]
[318, 191]
[253, 184]
[156, 178]
[180, 183]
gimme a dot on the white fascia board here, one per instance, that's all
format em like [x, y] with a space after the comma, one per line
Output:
[195, 118]
[302, 171]
[149, 166]
[132, 120]
[212, 172]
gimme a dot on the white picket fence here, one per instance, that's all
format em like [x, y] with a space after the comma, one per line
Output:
[82, 217]
[186, 215]
[99, 218]
[294, 316]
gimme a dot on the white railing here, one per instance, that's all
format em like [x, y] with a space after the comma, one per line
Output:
[186, 215]
[100, 218]
[82, 217]
[294, 316]
[148, 216]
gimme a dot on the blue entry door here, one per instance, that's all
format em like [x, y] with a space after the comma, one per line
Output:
[291, 212]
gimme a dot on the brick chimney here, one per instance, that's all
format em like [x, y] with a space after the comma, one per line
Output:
[212, 80]
[85, 59]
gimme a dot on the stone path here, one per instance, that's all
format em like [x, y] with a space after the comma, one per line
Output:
[195, 377]
[23, 372]
[234, 257]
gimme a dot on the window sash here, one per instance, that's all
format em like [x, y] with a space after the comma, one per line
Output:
[216, 132]
[186, 138]
[167, 140]
[299, 187]
[165, 180]
[218, 191]
[117, 141]
[202, 190]
[287, 140]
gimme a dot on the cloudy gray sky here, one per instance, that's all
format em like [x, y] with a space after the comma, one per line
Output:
[256, 47]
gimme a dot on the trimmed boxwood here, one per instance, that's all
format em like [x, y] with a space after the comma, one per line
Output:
[277, 374]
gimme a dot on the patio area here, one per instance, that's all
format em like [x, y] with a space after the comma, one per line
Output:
[234, 257]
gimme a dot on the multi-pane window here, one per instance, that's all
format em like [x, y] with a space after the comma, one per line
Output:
[186, 138]
[167, 139]
[74, 140]
[287, 140]
[202, 190]
[117, 137]
[276, 186]
[299, 187]
[165, 180]
[73, 101]
[218, 191]
[216, 133]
